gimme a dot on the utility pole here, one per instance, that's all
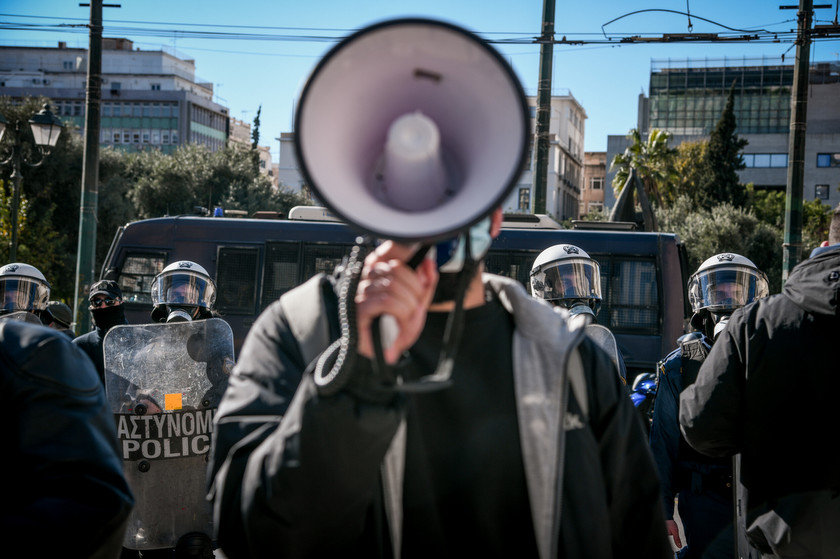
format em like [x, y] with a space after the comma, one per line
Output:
[543, 108]
[792, 246]
[86, 254]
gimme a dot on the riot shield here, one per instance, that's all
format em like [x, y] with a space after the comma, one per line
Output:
[164, 383]
[22, 316]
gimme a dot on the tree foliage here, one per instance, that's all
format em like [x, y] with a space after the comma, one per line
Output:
[725, 228]
[653, 160]
[720, 182]
[47, 234]
[255, 130]
[691, 166]
[132, 186]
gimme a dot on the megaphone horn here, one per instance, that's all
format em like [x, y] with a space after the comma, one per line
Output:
[412, 129]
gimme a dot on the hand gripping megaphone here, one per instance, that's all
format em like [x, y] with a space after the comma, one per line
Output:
[412, 130]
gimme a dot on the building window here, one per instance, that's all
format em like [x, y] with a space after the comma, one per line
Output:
[155, 87]
[765, 160]
[778, 160]
[596, 183]
[821, 192]
[164, 137]
[68, 65]
[524, 199]
[828, 160]
[762, 160]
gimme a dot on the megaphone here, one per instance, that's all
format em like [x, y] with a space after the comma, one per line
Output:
[412, 130]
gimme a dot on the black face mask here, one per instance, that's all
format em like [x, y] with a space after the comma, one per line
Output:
[447, 286]
[705, 321]
[106, 317]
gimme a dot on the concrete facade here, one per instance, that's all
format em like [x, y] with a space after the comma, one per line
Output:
[288, 172]
[594, 181]
[567, 127]
[150, 99]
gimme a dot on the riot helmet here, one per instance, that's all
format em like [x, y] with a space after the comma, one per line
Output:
[567, 276]
[726, 282]
[23, 288]
[182, 291]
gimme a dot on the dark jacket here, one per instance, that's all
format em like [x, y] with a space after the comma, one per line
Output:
[769, 391]
[63, 490]
[308, 483]
[91, 344]
[680, 467]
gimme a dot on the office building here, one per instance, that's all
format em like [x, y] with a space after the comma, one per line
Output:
[150, 98]
[687, 97]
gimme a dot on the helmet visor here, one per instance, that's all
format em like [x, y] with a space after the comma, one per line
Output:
[183, 288]
[23, 294]
[726, 288]
[571, 278]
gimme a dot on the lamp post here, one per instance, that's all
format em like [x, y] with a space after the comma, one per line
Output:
[45, 127]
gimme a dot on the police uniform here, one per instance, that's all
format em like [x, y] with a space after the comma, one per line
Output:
[702, 485]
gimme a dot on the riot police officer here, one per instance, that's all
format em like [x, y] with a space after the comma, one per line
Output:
[176, 370]
[566, 276]
[106, 309]
[24, 292]
[183, 291]
[702, 485]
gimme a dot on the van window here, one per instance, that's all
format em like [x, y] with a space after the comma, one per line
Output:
[631, 295]
[322, 258]
[513, 264]
[236, 279]
[136, 276]
[280, 272]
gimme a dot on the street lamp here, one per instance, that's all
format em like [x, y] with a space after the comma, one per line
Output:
[46, 128]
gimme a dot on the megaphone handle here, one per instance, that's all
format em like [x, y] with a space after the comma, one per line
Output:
[384, 329]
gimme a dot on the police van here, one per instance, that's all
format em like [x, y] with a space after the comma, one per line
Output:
[255, 261]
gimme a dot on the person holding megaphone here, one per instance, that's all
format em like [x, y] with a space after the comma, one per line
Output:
[411, 405]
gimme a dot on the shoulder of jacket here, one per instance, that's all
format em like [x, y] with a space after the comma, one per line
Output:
[305, 312]
[670, 358]
[46, 356]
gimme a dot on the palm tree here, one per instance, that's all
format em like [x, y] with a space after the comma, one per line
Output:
[654, 162]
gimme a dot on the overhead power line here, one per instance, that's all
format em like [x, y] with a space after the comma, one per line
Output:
[331, 35]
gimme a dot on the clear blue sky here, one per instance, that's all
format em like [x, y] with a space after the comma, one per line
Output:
[605, 79]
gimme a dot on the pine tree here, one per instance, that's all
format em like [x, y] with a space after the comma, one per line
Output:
[255, 130]
[723, 160]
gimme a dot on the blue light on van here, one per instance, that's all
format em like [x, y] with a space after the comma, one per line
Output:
[218, 212]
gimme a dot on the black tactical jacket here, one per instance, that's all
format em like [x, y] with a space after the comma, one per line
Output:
[769, 390]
